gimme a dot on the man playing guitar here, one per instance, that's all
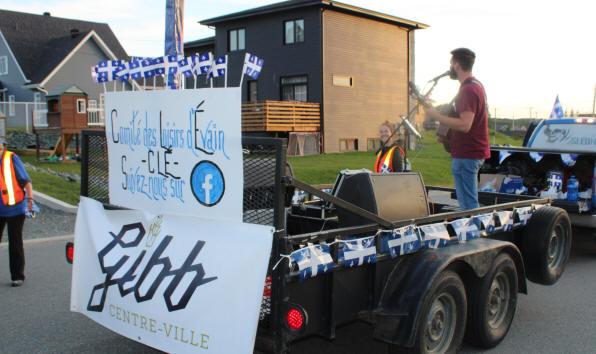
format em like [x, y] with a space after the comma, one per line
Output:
[468, 139]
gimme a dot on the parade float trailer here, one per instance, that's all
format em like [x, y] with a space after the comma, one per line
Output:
[375, 248]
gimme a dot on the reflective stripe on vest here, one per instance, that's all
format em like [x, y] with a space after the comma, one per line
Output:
[387, 161]
[12, 193]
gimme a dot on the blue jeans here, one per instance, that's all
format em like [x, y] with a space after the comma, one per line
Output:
[465, 174]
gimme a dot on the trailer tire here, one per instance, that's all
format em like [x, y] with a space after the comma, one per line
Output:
[442, 319]
[546, 245]
[492, 302]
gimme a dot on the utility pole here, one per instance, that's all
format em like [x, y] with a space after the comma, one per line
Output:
[594, 103]
[495, 132]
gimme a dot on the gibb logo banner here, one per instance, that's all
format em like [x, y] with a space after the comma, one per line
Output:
[176, 283]
[176, 151]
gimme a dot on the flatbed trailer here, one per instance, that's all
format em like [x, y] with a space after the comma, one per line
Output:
[423, 299]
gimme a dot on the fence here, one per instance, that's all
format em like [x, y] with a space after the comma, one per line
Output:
[24, 114]
[281, 116]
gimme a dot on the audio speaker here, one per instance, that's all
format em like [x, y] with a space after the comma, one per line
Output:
[393, 196]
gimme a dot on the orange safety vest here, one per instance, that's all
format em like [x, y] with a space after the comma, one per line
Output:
[384, 164]
[12, 193]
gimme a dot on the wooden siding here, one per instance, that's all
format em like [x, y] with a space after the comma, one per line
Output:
[375, 55]
[281, 116]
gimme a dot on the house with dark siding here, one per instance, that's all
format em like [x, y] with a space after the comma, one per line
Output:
[354, 62]
[40, 54]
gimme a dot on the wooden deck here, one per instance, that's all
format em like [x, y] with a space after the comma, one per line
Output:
[281, 116]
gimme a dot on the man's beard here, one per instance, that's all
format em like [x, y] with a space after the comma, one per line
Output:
[452, 74]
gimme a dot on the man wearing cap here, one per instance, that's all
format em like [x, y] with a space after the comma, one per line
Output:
[469, 143]
[17, 201]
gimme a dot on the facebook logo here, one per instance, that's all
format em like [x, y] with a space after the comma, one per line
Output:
[207, 183]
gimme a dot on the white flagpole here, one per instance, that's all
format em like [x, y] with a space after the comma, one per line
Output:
[104, 88]
[243, 69]
[211, 81]
[131, 84]
[154, 82]
[196, 78]
[144, 82]
[226, 73]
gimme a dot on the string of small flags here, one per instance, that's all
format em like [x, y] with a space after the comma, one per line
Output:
[311, 260]
[568, 159]
[178, 66]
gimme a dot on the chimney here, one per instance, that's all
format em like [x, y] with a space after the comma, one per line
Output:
[74, 33]
[47, 14]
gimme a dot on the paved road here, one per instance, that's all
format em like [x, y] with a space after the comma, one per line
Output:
[36, 319]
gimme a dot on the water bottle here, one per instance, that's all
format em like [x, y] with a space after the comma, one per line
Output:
[572, 189]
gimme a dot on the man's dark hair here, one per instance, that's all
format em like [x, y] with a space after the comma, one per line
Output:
[464, 57]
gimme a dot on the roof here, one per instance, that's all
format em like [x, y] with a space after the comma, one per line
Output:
[200, 42]
[327, 4]
[41, 42]
[65, 90]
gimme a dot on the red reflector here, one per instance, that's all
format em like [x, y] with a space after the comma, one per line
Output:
[295, 319]
[69, 252]
[267, 288]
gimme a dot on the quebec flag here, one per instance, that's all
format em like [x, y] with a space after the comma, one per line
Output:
[219, 67]
[400, 241]
[205, 61]
[252, 66]
[107, 70]
[312, 260]
[522, 215]
[353, 253]
[465, 229]
[569, 159]
[485, 221]
[434, 235]
[505, 220]
[557, 112]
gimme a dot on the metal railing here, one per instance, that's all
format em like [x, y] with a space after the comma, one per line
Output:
[25, 114]
[95, 115]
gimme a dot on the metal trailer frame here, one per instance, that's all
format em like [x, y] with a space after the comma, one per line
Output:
[378, 299]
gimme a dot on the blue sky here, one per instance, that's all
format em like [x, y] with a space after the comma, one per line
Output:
[528, 51]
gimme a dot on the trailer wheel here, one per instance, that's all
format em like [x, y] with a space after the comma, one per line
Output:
[442, 318]
[492, 303]
[546, 245]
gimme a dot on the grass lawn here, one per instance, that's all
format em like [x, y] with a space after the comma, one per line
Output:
[55, 186]
[430, 160]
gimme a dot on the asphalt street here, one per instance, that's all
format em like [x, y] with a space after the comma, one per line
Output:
[36, 318]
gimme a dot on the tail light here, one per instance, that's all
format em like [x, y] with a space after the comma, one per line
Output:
[69, 252]
[295, 318]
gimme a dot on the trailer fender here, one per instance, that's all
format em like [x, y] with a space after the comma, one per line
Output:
[397, 314]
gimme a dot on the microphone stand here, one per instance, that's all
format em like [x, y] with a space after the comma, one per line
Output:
[410, 114]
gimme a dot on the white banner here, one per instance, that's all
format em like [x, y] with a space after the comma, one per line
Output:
[176, 151]
[176, 283]
[564, 135]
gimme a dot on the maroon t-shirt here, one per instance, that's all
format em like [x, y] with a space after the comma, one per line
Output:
[475, 143]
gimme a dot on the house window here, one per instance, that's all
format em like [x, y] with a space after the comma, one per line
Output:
[373, 144]
[11, 110]
[294, 88]
[343, 81]
[294, 31]
[81, 106]
[236, 40]
[252, 91]
[4, 65]
[348, 145]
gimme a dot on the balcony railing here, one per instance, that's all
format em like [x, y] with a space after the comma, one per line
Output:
[281, 116]
[24, 114]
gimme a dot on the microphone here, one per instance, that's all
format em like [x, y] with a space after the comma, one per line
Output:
[446, 73]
